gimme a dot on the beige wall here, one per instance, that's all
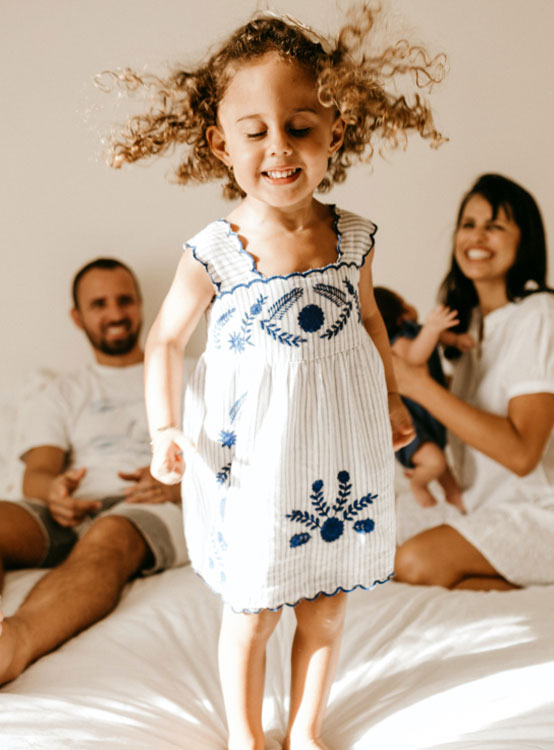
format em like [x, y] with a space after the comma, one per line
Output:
[62, 206]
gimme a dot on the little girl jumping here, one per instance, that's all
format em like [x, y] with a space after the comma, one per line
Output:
[292, 412]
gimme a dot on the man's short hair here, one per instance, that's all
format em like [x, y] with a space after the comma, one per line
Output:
[105, 264]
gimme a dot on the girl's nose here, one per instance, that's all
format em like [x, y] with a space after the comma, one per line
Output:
[280, 144]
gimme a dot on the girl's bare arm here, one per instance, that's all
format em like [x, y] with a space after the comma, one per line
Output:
[187, 299]
[402, 428]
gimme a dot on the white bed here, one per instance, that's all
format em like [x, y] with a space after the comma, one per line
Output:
[421, 668]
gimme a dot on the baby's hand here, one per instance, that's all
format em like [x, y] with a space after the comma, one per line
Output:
[464, 342]
[168, 450]
[442, 318]
[403, 431]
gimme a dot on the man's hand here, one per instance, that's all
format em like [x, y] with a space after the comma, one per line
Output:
[146, 489]
[64, 508]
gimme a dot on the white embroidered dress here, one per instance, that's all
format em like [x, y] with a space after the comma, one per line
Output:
[291, 491]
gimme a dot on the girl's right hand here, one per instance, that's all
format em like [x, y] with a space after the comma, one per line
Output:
[169, 448]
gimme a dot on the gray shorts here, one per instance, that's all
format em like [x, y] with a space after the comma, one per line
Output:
[160, 524]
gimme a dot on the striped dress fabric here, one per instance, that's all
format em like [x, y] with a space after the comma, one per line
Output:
[290, 493]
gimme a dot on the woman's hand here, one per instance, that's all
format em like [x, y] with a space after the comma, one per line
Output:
[169, 447]
[403, 431]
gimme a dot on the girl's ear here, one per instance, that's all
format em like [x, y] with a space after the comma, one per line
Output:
[338, 130]
[217, 144]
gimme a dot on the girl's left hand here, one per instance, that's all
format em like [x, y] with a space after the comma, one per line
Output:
[403, 431]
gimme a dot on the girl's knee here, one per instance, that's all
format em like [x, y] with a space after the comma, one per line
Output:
[250, 627]
[323, 617]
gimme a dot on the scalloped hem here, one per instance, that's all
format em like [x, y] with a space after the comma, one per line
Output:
[339, 589]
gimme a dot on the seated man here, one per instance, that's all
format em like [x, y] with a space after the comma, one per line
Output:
[95, 516]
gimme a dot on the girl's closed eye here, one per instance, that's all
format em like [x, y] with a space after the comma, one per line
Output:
[299, 132]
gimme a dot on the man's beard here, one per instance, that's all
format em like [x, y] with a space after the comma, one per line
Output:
[115, 347]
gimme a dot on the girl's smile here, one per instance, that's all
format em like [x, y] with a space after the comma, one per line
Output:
[274, 133]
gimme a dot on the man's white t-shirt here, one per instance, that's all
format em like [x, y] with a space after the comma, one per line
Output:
[96, 415]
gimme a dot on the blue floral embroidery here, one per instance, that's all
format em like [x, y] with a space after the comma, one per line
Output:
[227, 438]
[220, 323]
[310, 318]
[283, 337]
[283, 304]
[337, 294]
[239, 339]
[223, 474]
[354, 293]
[237, 342]
[236, 407]
[276, 312]
[332, 527]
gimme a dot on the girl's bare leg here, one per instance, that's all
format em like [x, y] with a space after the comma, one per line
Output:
[429, 463]
[242, 646]
[315, 653]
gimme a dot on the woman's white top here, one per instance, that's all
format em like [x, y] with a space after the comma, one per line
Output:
[510, 518]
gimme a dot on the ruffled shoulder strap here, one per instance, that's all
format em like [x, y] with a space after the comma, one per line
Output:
[356, 236]
[220, 251]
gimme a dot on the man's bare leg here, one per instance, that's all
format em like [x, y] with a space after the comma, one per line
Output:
[22, 543]
[89, 583]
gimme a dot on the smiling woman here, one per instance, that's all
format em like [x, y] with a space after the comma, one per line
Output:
[500, 412]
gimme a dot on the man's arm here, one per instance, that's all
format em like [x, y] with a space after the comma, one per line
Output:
[44, 479]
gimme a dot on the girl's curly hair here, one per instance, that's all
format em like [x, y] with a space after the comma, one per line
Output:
[346, 76]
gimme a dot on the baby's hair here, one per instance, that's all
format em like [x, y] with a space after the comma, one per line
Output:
[391, 308]
[346, 76]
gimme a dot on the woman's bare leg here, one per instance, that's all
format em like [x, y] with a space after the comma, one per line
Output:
[443, 557]
[315, 653]
[242, 646]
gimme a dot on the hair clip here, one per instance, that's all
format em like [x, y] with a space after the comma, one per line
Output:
[313, 35]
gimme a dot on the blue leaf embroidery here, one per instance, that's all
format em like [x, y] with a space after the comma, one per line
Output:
[283, 304]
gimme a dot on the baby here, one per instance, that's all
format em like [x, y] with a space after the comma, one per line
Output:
[424, 457]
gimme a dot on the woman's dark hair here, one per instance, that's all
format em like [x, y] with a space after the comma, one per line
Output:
[391, 308]
[528, 273]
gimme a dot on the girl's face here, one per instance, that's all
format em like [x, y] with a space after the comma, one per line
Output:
[485, 248]
[274, 132]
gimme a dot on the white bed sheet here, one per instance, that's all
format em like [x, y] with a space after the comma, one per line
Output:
[420, 668]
